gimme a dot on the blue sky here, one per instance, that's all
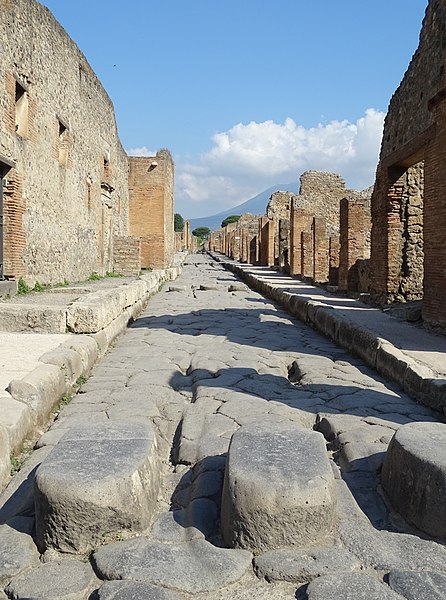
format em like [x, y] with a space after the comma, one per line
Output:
[248, 93]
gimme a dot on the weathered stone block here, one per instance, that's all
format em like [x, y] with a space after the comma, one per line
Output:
[279, 487]
[99, 480]
[59, 580]
[414, 475]
[192, 567]
[349, 586]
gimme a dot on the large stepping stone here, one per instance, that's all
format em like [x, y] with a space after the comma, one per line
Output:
[100, 480]
[133, 590]
[414, 475]
[60, 580]
[349, 586]
[416, 585]
[194, 567]
[279, 488]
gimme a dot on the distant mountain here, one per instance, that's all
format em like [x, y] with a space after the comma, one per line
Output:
[256, 206]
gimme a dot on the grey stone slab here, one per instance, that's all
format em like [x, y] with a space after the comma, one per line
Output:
[192, 451]
[350, 586]
[196, 566]
[59, 580]
[134, 590]
[98, 481]
[17, 553]
[302, 566]
[414, 475]
[381, 549]
[279, 488]
[414, 585]
[170, 527]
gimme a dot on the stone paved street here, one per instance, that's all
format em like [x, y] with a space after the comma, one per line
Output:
[141, 493]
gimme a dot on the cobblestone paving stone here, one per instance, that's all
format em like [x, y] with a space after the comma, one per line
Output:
[209, 356]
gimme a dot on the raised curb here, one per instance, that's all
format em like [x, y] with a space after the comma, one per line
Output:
[415, 378]
[40, 390]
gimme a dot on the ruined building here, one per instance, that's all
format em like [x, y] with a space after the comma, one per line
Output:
[64, 199]
[408, 204]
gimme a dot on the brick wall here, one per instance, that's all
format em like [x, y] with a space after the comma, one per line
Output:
[353, 233]
[320, 246]
[151, 208]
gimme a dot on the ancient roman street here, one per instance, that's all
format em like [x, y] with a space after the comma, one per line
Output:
[203, 458]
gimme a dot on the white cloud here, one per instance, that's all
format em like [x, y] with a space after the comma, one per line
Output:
[141, 151]
[249, 158]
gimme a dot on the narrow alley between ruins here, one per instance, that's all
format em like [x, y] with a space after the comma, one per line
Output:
[158, 508]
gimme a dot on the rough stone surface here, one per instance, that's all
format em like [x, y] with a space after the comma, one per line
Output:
[59, 580]
[193, 567]
[17, 553]
[132, 590]
[98, 481]
[414, 585]
[302, 566]
[349, 586]
[279, 488]
[414, 475]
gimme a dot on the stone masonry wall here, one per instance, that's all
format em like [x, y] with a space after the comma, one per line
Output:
[408, 213]
[127, 255]
[67, 196]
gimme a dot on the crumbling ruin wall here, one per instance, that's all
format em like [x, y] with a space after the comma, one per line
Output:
[66, 197]
[279, 205]
[320, 194]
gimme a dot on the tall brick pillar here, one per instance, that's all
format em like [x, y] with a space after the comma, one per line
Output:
[263, 241]
[151, 215]
[307, 251]
[270, 243]
[352, 240]
[434, 303]
[299, 222]
[333, 251]
[320, 247]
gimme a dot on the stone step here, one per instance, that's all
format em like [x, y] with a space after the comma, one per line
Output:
[279, 487]
[99, 481]
[414, 475]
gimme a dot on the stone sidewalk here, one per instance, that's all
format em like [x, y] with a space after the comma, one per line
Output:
[221, 450]
[405, 352]
[42, 355]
